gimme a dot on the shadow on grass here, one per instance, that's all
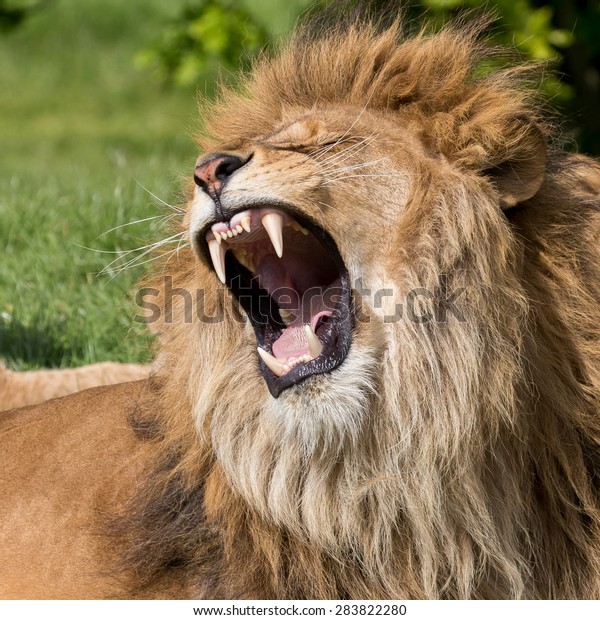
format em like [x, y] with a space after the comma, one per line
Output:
[24, 346]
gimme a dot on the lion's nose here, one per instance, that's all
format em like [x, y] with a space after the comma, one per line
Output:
[211, 175]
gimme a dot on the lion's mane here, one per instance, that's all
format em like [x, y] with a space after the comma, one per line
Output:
[472, 471]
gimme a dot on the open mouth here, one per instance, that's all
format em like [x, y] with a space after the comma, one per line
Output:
[287, 274]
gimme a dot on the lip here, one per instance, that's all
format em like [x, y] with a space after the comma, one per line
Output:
[313, 252]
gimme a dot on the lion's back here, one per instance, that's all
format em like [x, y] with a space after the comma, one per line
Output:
[62, 464]
[20, 389]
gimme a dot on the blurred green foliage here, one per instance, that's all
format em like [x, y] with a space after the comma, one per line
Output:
[207, 35]
[13, 12]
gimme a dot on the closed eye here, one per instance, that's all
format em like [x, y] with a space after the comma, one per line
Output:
[317, 148]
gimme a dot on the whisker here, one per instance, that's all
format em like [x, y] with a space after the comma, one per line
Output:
[175, 251]
[356, 119]
[144, 249]
[335, 160]
[354, 167]
[166, 204]
[353, 176]
[345, 153]
[325, 149]
[132, 263]
[146, 219]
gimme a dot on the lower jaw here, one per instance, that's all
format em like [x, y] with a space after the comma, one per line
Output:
[335, 350]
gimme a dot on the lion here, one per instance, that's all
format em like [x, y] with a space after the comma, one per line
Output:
[18, 389]
[389, 386]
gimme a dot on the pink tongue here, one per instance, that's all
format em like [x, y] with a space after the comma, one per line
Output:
[293, 342]
[283, 278]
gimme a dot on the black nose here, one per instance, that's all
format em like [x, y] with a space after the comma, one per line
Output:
[211, 175]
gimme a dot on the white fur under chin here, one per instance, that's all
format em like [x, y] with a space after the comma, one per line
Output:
[280, 455]
[326, 411]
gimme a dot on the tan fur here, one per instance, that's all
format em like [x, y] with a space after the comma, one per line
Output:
[442, 459]
[18, 389]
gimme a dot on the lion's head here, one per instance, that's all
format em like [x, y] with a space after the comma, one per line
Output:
[390, 384]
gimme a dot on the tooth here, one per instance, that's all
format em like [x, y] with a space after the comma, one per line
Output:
[239, 229]
[240, 256]
[299, 228]
[272, 363]
[224, 236]
[217, 254]
[286, 316]
[216, 235]
[229, 234]
[246, 260]
[273, 223]
[246, 224]
[314, 344]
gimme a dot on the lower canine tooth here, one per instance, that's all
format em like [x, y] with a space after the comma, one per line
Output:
[314, 344]
[273, 223]
[273, 363]
[217, 255]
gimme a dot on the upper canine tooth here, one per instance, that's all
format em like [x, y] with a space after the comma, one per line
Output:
[246, 224]
[273, 223]
[273, 363]
[217, 255]
[314, 344]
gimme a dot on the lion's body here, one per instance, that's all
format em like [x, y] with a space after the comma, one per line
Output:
[20, 389]
[61, 464]
[448, 458]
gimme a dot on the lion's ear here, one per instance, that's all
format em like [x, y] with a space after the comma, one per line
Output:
[520, 173]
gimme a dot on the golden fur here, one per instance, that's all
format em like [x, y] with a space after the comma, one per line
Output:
[18, 389]
[455, 459]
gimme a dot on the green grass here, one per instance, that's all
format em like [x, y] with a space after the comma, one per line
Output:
[81, 131]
